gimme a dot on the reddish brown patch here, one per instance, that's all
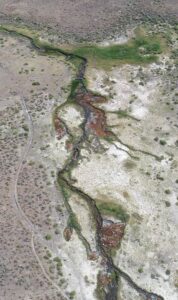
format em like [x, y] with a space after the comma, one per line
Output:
[69, 145]
[98, 98]
[59, 127]
[89, 98]
[111, 235]
[93, 256]
[96, 119]
[67, 233]
[104, 280]
[97, 122]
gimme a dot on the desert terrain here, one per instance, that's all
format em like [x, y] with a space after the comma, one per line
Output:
[87, 20]
[89, 150]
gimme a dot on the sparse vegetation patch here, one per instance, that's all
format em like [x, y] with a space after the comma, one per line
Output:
[112, 209]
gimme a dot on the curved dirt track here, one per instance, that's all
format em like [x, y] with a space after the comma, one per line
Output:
[22, 217]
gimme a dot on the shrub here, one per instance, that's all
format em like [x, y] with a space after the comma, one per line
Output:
[48, 237]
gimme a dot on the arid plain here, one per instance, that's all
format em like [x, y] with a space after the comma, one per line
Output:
[89, 158]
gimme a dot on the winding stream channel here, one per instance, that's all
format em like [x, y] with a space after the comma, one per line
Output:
[95, 122]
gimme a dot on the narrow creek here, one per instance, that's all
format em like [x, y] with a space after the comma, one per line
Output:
[95, 122]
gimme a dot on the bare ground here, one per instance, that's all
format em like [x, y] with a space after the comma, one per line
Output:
[88, 19]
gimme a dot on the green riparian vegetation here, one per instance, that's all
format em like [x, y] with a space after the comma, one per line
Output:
[112, 209]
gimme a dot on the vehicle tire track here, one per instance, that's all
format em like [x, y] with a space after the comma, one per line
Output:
[22, 216]
[43, 269]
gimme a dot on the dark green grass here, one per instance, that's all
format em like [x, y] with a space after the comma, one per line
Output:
[112, 209]
[142, 49]
[74, 85]
[73, 222]
[138, 50]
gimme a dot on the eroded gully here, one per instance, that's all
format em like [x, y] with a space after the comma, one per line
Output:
[95, 123]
